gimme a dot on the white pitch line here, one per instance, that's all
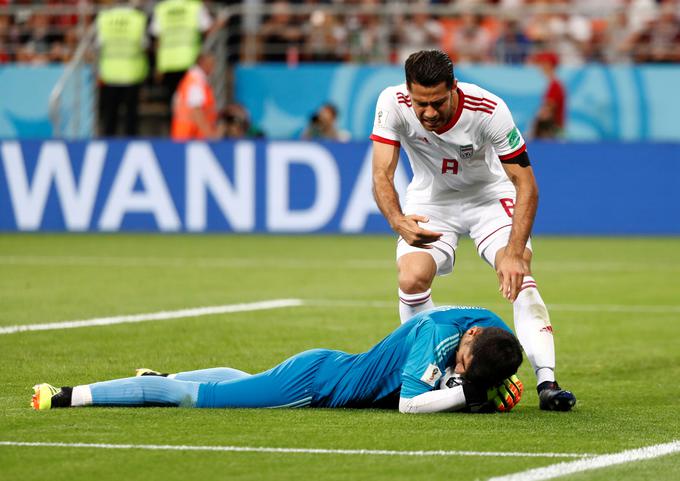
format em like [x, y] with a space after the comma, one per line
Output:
[254, 449]
[597, 462]
[195, 262]
[155, 316]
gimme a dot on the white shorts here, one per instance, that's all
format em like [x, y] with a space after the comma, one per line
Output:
[486, 218]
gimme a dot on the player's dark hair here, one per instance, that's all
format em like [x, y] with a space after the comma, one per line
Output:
[429, 68]
[496, 355]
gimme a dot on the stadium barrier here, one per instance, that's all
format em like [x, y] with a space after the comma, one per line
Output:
[604, 102]
[305, 187]
[618, 102]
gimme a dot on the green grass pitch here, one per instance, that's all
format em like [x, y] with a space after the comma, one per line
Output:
[614, 303]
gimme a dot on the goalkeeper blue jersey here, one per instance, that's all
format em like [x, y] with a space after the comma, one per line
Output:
[408, 362]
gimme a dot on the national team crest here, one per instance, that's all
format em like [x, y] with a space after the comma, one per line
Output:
[466, 151]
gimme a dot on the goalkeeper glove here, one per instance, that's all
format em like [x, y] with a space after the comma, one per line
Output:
[506, 395]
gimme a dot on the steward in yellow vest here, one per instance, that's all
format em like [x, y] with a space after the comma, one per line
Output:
[178, 26]
[123, 65]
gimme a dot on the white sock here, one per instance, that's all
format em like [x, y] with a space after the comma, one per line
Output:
[534, 330]
[412, 304]
[81, 396]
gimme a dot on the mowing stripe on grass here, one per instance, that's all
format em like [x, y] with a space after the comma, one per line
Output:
[597, 462]
[659, 309]
[156, 316]
[254, 449]
[303, 263]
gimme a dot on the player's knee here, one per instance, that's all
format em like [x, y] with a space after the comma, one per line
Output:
[413, 282]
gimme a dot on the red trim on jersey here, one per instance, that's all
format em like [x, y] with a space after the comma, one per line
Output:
[514, 154]
[485, 103]
[383, 140]
[527, 286]
[459, 110]
[485, 239]
[472, 97]
[404, 99]
[466, 107]
[479, 106]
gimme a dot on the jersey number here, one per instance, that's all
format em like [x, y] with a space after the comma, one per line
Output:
[509, 206]
[450, 165]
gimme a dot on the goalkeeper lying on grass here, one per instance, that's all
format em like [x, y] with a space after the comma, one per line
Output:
[444, 359]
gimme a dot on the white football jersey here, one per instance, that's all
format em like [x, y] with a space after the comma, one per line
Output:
[462, 157]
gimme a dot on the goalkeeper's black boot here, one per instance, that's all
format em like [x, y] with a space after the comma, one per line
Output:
[553, 398]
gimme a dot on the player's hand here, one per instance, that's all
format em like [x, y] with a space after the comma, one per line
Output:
[511, 270]
[409, 229]
[507, 395]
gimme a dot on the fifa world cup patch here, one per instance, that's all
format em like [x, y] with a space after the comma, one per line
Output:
[514, 138]
[381, 118]
[431, 375]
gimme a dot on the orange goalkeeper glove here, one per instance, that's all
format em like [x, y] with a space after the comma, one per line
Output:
[506, 395]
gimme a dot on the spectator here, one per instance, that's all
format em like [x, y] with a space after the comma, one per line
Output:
[659, 42]
[420, 32]
[549, 122]
[322, 125]
[471, 41]
[235, 123]
[617, 38]
[194, 111]
[123, 65]
[178, 26]
[512, 46]
[5, 52]
[37, 40]
[369, 35]
[324, 38]
[280, 38]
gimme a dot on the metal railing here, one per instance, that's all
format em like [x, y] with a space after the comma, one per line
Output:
[68, 108]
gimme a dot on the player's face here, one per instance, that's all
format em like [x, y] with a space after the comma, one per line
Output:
[433, 105]
[464, 353]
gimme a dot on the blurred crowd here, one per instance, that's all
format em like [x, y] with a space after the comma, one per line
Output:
[142, 45]
[504, 31]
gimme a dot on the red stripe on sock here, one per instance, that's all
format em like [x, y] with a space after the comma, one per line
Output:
[415, 302]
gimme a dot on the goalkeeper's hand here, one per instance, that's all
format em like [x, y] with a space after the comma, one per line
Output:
[506, 395]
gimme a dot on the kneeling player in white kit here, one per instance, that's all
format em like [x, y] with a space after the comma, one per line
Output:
[471, 175]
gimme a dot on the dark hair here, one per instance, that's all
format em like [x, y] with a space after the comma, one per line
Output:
[331, 107]
[429, 68]
[496, 355]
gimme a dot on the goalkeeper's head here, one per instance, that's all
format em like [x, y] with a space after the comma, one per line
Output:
[488, 355]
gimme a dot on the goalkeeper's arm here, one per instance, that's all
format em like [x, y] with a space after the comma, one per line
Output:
[467, 397]
[457, 398]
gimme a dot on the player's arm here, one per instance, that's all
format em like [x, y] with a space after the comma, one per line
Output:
[208, 130]
[385, 160]
[466, 397]
[455, 399]
[513, 266]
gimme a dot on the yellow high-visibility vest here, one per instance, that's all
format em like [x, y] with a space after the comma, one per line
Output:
[179, 36]
[122, 58]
